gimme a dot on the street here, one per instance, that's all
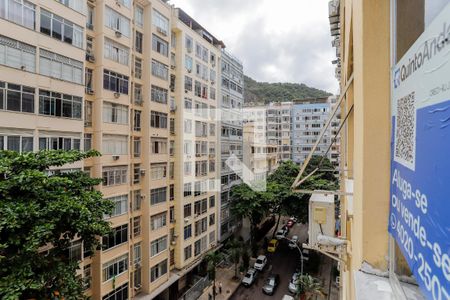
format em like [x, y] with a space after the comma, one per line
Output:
[284, 262]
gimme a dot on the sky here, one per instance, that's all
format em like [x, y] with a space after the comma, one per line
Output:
[277, 40]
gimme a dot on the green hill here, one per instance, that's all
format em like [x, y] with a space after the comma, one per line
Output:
[264, 92]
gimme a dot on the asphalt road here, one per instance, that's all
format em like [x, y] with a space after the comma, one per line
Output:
[284, 262]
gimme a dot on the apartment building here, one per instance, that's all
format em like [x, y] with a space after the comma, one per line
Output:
[110, 75]
[380, 46]
[231, 142]
[279, 128]
[309, 117]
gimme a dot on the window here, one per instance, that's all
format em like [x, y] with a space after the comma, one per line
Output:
[16, 143]
[212, 201]
[137, 253]
[115, 267]
[89, 17]
[16, 54]
[159, 145]
[172, 216]
[187, 168]
[136, 226]
[187, 252]
[161, 22]
[171, 170]
[114, 175]
[60, 67]
[118, 235]
[158, 119]
[59, 105]
[187, 231]
[158, 171]
[137, 200]
[201, 168]
[201, 226]
[201, 129]
[120, 205]
[188, 63]
[200, 246]
[172, 130]
[212, 166]
[139, 16]
[116, 52]
[16, 97]
[187, 83]
[198, 89]
[87, 141]
[158, 221]
[160, 46]
[187, 189]
[138, 68]
[212, 219]
[200, 206]
[188, 43]
[120, 293]
[61, 29]
[137, 120]
[171, 192]
[159, 94]
[115, 113]
[88, 79]
[59, 143]
[137, 95]
[187, 210]
[157, 246]
[117, 22]
[158, 270]
[212, 237]
[160, 70]
[136, 173]
[136, 146]
[20, 12]
[138, 41]
[115, 82]
[212, 93]
[187, 104]
[158, 195]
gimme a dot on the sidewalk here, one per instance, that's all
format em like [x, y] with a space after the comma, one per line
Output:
[229, 285]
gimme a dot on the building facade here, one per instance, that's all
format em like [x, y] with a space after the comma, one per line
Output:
[370, 38]
[279, 128]
[140, 81]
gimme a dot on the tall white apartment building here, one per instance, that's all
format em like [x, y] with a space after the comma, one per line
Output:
[231, 136]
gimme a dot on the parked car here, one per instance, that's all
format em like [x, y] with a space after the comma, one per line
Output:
[290, 223]
[249, 277]
[287, 297]
[281, 234]
[286, 229]
[305, 254]
[293, 286]
[293, 219]
[293, 242]
[273, 244]
[271, 284]
[260, 262]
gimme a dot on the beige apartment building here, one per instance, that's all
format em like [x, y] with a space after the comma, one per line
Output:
[123, 77]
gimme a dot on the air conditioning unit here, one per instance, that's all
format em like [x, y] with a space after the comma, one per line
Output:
[116, 95]
[189, 71]
[118, 3]
[116, 157]
[161, 31]
[186, 220]
[186, 91]
[142, 172]
[172, 67]
[90, 57]
[89, 91]
[174, 243]
[142, 197]
[118, 33]
[213, 82]
[173, 108]
[189, 50]
[137, 287]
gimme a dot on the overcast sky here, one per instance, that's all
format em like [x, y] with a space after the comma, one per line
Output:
[277, 40]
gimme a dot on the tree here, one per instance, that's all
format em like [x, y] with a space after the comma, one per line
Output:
[213, 259]
[308, 286]
[41, 214]
[235, 247]
[247, 203]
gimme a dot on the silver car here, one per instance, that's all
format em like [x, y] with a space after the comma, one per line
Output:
[249, 277]
[271, 284]
[293, 286]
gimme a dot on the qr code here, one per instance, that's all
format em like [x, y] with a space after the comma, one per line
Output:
[405, 131]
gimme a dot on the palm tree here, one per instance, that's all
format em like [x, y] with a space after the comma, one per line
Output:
[235, 251]
[308, 286]
[213, 259]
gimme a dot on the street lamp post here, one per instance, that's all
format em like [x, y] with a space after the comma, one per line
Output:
[301, 254]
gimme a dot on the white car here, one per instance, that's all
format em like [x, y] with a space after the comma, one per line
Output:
[249, 277]
[287, 297]
[305, 254]
[260, 262]
[293, 286]
[281, 234]
[293, 242]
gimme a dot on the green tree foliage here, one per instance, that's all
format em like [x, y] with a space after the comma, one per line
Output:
[235, 247]
[41, 212]
[308, 286]
[264, 92]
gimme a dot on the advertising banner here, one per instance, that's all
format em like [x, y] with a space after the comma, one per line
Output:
[420, 163]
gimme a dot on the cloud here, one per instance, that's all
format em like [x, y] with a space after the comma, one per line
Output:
[278, 41]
